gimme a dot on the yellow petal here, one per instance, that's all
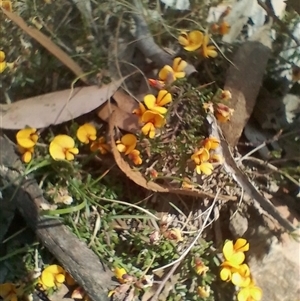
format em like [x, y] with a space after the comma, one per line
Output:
[179, 65]
[86, 133]
[159, 121]
[60, 278]
[196, 37]
[150, 101]
[148, 116]
[119, 273]
[256, 293]
[241, 245]
[211, 143]
[26, 137]
[205, 168]
[2, 56]
[26, 157]
[2, 66]
[211, 51]
[129, 141]
[166, 73]
[134, 156]
[183, 38]
[228, 249]
[238, 280]
[237, 258]
[225, 274]
[69, 156]
[163, 98]
[55, 269]
[64, 141]
[56, 151]
[121, 148]
[48, 279]
[160, 110]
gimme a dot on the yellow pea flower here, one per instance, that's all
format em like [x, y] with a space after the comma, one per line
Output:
[169, 74]
[226, 271]
[223, 112]
[101, 145]
[205, 167]
[127, 144]
[62, 147]
[9, 292]
[201, 155]
[178, 66]
[120, 273]
[52, 276]
[26, 153]
[134, 156]
[250, 293]
[156, 104]
[86, 133]
[208, 51]
[6, 4]
[211, 143]
[27, 138]
[152, 121]
[234, 253]
[192, 40]
[241, 276]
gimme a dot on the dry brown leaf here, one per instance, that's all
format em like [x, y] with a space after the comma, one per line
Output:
[125, 102]
[48, 44]
[54, 108]
[139, 179]
[124, 120]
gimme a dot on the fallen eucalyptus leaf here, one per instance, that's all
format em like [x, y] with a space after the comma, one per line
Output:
[55, 108]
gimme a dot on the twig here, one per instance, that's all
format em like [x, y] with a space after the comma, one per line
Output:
[275, 138]
[274, 168]
[271, 13]
[240, 177]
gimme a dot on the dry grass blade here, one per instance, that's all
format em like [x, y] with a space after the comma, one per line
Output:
[48, 44]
